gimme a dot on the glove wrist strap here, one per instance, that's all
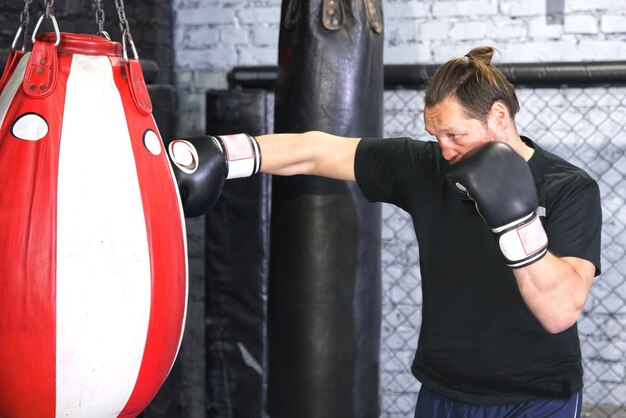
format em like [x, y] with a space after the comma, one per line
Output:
[243, 155]
[522, 242]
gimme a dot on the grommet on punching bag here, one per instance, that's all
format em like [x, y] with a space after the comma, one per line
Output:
[324, 294]
[93, 267]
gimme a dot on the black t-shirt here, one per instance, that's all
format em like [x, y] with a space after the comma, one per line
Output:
[479, 342]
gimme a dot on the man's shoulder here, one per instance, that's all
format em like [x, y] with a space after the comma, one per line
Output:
[550, 168]
[400, 149]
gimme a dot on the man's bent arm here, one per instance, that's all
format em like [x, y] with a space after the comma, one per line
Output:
[556, 289]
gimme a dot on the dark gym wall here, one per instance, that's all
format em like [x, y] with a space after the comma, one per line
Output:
[150, 24]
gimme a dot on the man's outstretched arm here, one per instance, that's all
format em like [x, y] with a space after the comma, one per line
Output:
[202, 164]
[314, 152]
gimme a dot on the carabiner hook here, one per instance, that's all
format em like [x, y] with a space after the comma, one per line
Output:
[126, 35]
[17, 35]
[54, 23]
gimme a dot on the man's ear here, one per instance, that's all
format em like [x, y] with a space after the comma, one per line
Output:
[498, 116]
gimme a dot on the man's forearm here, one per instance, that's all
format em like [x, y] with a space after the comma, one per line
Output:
[556, 289]
[314, 152]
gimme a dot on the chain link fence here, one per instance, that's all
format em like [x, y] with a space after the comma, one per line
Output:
[586, 126]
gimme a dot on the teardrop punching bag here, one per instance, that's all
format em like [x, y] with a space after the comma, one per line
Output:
[93, 273]
[324, 289]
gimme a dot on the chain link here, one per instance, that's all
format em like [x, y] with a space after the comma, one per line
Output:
[100, 19]
[122, 15]
[125, 28]
[49, 8]
[25, 14]
[23, 28]
[49, 14]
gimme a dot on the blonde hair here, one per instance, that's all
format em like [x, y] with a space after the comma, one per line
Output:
[474, 82]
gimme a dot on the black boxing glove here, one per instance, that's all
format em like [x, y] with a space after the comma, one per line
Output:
[202, 165]
[501, 185]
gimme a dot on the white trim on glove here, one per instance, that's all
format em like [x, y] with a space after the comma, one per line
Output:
[522, 242]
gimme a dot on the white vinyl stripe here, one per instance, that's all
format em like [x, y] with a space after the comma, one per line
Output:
[14, 83]
[576, 410]
[241, 155]
[103, 264]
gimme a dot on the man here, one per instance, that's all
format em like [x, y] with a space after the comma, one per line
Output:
[499, 335]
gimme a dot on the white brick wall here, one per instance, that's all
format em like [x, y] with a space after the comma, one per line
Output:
[409, 9]
[237, 28]
[464, 31]
[593, 5]
[518, 28]
[465, 8]
[581, 23]
[613, 24]
[522, 8]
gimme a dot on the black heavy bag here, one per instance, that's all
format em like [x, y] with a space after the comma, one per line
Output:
[237, 247]
[324, 294]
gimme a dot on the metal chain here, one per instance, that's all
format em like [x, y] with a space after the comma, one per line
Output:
[125, 28]
[25, 14]
[23, 28]
[100, 18]
[122, 15]
[49, 8]
[49, 14]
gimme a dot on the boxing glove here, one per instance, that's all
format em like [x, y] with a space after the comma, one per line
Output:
[202, 165]
[501, 185]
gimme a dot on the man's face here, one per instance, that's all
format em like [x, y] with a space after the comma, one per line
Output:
[455, 132]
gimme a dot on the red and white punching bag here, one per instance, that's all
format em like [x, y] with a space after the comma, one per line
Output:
[93, 273]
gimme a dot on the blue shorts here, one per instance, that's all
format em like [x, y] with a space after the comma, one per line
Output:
[433, 405]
